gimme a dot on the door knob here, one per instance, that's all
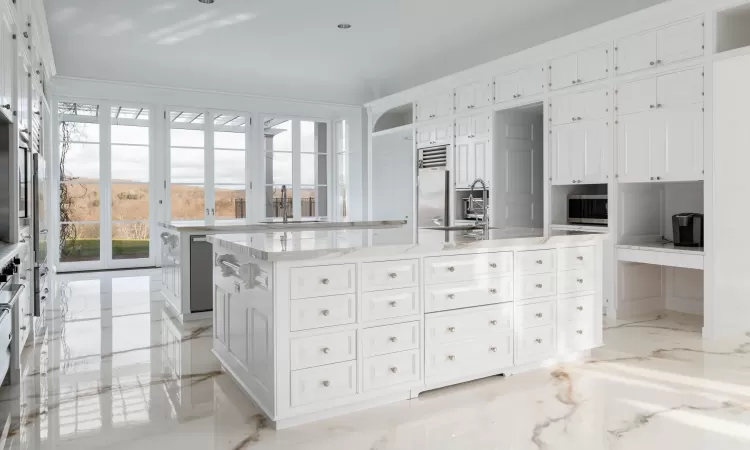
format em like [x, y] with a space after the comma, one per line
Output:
[652, 63]
[325, 281]
[6, 106]
[493, 349]
[451, 269]
[452, 329]
[539, 315]
[394, 338]
[493, 291]
[451, 357]
[579, 258]
[539, 261]
[493, 322]
[493, 265]
[580, 308]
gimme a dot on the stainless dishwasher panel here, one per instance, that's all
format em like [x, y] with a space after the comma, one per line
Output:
[201, 274]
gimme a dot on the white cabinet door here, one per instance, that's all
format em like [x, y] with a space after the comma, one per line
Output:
[634, 142]
[463, 128]
[482, 160]
[444, 104]
[682, 157]
[563, 71]
[443, 134]
[636, 96]
[473, 160]
[435, 106]
[473, 96]
[7, 64]
[562, 146]
[24, 94]
[424, 136]
[592, 105]
[530, 81]
[681, 88]
[480, 125]
[592, 64]
[680, 41]
[635, 53]
[562, 109]
[463, 167]
[594, 156]
[506, 86]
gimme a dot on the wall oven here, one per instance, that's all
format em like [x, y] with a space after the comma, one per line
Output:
[587, 209]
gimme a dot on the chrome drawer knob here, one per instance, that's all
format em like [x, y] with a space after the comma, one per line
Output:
[451, 269]
[493, 265]
[451, 295]
[539, 261]
[493, 291]
[579, 331]
[539, 315]
[393, 304]
[394, 369]
[452, 329]
[325, 281]
[539, 286]
[23, 328]
[580, 308]
[493, 322]
[325, 312]
[579, 258]
[451, 357]
[394, 339]
[580, 280]
[493, 349]
[538, 340]
[393, 274]
[326, 350]
[326, 383]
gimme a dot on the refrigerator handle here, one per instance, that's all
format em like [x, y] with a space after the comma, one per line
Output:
[447, 220]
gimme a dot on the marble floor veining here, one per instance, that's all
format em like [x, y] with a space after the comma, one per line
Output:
[115, 370]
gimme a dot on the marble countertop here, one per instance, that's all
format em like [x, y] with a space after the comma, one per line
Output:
[231, 226]
[332, 244]
[663, 246]
[8, 251]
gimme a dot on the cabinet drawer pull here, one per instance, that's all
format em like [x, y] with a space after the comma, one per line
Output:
[325, 281]
[493, 322]
[394, 369]
[326, 383]
[579, 258]
[652, 63]
[538, 340]
[451, 269]
[451, 296]
[539, 315]
[658, 105]
[325, 350]
[539, 286]
[580, 280]
[658, 61]
[451, 357]
[325, 312]
[493, 265]
[393, 274]
[579, 331]
[652, 106]
[580, 308]
[394, 338]
[493, 291]
[393, 304]
[578, 81]
[452, 329]
[539, 261]
[493, 349]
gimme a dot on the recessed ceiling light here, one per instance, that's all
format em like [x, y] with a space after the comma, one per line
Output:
[208, 2]
[344, 26]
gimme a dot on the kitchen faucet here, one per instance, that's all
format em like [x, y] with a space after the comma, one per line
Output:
[283, 203]
[485, 210]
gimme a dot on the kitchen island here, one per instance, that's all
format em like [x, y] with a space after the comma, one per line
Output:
[185, 256]
[313, 324]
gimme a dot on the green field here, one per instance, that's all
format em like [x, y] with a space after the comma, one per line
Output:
[89, 249]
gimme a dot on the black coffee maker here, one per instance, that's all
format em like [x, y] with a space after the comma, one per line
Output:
[688, 229]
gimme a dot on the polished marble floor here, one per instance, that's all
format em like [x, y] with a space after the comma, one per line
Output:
[116, 371]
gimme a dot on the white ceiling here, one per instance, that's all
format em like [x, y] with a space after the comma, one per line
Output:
[293, 49]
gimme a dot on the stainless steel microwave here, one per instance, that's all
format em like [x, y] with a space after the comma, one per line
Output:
[587, 209]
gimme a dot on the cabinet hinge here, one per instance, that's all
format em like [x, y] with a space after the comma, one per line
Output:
[165, 114]
[617, 67]
[615, 48]
[251, 185]
[165, 184]
[550, 67]
[617, 121]
[703, 109]
[14, 36]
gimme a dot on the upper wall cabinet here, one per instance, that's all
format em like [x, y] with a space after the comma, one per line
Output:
[578, 68]
[470, 127]
[655, 48]
[518, 84]
[434, 135]
[435, 106]
[579, 107]
[7, 63]
[473, 95]
[665, 91]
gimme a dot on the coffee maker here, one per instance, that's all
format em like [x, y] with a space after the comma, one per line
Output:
[688, 229]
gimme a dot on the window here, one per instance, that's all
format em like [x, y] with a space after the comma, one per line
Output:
[296, 158]
[80, 182]
[230, 150]
[187, 193]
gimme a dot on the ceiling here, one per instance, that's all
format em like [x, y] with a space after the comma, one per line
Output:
[293, 48]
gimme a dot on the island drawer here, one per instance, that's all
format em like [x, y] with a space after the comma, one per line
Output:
[533, 344]
[468, 323]
[389, 304]
[535, 314]
[323, 349]
[576, 281]
[322, 383]
[320, 312]
[533, 286]
[390, 274]
[535, 261]
[322, 280]
[454, 359]
[443, 297]
[576, 309]
[390, 370]
[444, 269]
[573, 258]
[390, 338]
[576, 336]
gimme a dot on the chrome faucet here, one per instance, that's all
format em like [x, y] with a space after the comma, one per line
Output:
[485, 210]
[283, 203]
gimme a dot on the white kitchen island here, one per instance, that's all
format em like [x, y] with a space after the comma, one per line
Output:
[313, 324]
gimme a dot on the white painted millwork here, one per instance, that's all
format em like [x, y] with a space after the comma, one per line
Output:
[475, 95]
[656, 48]
[672, 90]
[435, 106]
[465, 314]
[324, 280]
[578, 68]
[578, 107]
[575, 281]
[473, 159]
[434, 135]
[476, 126]
[519, 84]
[579, 152]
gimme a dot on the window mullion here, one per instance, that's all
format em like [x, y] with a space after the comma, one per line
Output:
[105, 178]
[296, 169]
[208, 177]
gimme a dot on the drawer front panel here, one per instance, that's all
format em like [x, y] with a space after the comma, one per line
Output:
[469, 323]
[536, 261]
[390, 370]
[389, 304]
[535, 315]
[576, 281]
[445, 269]
[324, 349]
[454, 359]
[575, 258]
[533, 286]
[322, 312]
[465, 294]
[533, 344]
[322, 280]
[576, 309]
[390, 274]
[576, 336]
[390, 338]
[323, 383]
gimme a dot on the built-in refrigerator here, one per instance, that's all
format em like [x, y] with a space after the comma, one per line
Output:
[433, 188]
